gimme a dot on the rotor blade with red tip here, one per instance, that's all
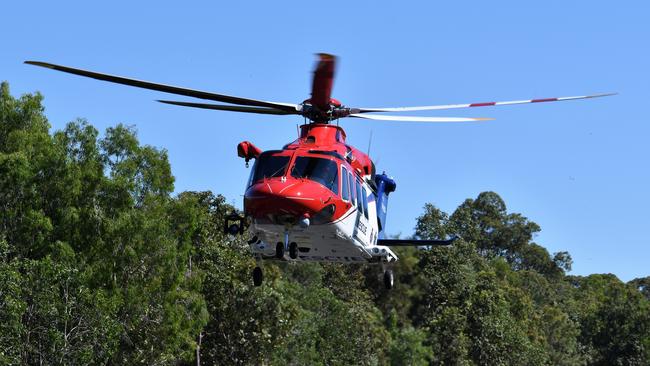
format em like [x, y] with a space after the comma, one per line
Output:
[232, 108]
[167, 88]
[321, 89]
[380, 117]
[483, 104]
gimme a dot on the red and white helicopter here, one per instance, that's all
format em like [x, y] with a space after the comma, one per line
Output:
[317, 199]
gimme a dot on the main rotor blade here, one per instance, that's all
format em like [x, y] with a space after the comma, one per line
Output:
[232, 108]
[380, 117]
[321, 89]
[166, 88]
[482, 104]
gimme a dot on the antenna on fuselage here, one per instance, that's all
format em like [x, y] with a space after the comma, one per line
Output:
[369, 143]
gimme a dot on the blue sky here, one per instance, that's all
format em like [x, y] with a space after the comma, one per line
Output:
[579, 169]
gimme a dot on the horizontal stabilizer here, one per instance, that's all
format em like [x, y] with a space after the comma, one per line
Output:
[415, 243]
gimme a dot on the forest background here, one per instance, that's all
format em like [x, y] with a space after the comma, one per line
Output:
[100, 263]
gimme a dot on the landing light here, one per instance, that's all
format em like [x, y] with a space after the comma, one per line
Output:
[304, 222]
[324, 215]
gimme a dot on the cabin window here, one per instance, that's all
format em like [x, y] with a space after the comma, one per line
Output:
[353, 195]
[323, 171]
[269, 166]
[359, 197]
[365, 202]
[345, 190]
[252, 174]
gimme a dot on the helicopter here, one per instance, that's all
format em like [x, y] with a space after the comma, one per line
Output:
[318, 199]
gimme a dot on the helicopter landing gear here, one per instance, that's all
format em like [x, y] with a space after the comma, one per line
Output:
[293, 250]
[279, 250]
[233, 224]
[258, 276]
[388, 279]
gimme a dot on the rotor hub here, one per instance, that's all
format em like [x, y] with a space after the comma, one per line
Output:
[335, 110]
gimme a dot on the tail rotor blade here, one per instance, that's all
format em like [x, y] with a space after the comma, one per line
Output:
[321, 89]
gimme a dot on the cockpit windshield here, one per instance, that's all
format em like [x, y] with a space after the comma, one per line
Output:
[269, 166]
[323, 171]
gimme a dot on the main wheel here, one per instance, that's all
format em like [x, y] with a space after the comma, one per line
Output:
[233, 229]
[279, 250]
[388, 279]
[293, 250]
[257, 276]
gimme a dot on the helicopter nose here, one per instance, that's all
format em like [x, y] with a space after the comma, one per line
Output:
[293, 200]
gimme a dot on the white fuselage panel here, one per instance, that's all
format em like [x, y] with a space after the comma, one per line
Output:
[350, 239]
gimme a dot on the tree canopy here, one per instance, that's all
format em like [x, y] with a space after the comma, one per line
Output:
[100, 263]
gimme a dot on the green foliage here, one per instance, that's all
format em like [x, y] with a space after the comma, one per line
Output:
[100, 264]
[615, 320]
[643, 285]
[92, 269]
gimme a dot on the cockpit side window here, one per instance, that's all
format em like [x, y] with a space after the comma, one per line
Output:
[359, 197]
[345, 188]
[269, 166]
[352, 189]
[365, 202]
[252, 175]
[323, 171]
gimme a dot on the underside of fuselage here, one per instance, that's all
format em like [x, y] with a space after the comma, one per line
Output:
[342, 241]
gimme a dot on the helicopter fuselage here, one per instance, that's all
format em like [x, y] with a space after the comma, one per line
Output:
[316, 198]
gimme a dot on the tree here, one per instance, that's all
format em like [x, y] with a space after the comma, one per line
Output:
[643, 285]
[90, 252]
[615, 321]
[101, 264]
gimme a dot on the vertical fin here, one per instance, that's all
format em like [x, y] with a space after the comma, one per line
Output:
[385, 185]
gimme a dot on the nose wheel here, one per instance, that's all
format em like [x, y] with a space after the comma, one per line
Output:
[279, 250]
[293, 250]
